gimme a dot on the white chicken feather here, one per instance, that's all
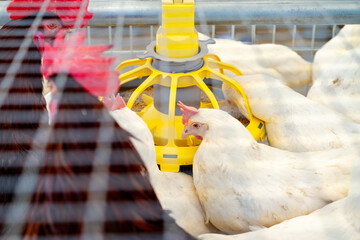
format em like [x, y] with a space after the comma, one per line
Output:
[336, 221]
[293, 122]
[274, 60]
[47, 98]
[244, 185]
[337, 81]
[175, 191]
[347, 39]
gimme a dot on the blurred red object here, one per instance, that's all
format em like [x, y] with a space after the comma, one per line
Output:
[67, 10]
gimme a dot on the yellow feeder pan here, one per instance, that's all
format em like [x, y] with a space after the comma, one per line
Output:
[181, 78]
[171, 150]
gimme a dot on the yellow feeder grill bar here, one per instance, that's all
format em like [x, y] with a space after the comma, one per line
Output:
[171, 150]
[165, 68]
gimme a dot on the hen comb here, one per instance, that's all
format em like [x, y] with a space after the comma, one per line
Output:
[67, 10]
[84, 63]
[114, 103]
[187, 111]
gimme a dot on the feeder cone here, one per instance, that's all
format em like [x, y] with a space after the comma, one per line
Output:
[175, 66]
[177, 36]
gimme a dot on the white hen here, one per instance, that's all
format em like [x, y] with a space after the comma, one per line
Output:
[347, 39]
[337, 77]
[175, 191]
[337, 221]
[293, 122]
[244, 185]
[275, 60]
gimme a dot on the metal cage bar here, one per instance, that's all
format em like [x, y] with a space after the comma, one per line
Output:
[235, 14]
[228, 12]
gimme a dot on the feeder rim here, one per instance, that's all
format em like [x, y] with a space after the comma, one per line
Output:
[151, 53]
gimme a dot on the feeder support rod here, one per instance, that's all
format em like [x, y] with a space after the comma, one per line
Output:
[177, 37]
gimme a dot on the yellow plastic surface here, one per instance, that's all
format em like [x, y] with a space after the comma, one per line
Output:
[177, 36]
[171, 150]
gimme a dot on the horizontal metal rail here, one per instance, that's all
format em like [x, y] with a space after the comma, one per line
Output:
[124, 19]
[329, 12]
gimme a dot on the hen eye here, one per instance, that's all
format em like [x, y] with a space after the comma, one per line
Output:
[196, 125]
[52, 26]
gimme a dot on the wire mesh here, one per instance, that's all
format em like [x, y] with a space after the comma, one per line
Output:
[130, 26]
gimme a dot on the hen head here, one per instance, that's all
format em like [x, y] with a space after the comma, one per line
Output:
[191, 126]
[47, 32]
[57, 15]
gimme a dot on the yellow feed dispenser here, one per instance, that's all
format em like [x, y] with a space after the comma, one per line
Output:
[176, 66]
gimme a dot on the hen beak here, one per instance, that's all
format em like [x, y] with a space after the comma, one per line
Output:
[39, 41]
[186, 132]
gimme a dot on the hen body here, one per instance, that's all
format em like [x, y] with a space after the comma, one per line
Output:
[92, 180]
[336, 221]
[348, 38]
[274, 60]
[293, 122]
[22, 108]
[244, 185]
[336, 76]
[86, 172]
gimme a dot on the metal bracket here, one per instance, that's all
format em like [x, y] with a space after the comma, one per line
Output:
[177, 65]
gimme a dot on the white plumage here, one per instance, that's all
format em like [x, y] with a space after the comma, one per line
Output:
[47, 97]
[244, 185]
[347, 39]
[337, 221]
[336, 76]
[293, 122]
[143, 140]
[275, 60]
[175, 191]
